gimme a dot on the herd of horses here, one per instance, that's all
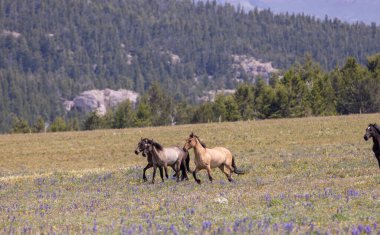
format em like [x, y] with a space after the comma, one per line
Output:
[179, 159]
[207, 158]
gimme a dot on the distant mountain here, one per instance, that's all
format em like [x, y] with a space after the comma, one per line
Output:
[350, 11]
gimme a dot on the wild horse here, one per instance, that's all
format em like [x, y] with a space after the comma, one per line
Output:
[373, 131]
[209, 158]
[160, 157]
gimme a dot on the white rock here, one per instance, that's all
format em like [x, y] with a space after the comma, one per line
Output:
[100, 100]
[221, 200]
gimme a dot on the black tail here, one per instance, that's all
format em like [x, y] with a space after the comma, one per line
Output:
[236, 170]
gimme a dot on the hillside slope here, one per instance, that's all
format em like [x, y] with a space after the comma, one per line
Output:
[54, 50]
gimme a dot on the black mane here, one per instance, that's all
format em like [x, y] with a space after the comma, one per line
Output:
[200, 141]
[156, 145]
[377, 128]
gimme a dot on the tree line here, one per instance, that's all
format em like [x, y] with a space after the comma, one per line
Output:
[303, 90]
[54, 50]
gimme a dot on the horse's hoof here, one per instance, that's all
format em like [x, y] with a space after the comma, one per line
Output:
[145, 179]
[199, 181]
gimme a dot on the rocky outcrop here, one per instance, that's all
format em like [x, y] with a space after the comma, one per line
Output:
[10, 33]
[210, 95]
[100, 100]
[251, 67]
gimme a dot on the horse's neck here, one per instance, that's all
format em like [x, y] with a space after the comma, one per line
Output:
[157, 154]
[376, 139]
[148, 155]
[199, 149]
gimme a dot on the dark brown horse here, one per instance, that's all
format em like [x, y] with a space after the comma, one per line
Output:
[143, 146]
[373, 131]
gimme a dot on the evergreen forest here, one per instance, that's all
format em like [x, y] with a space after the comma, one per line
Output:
[54, 50]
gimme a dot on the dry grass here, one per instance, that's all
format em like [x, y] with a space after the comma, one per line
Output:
[305, 175]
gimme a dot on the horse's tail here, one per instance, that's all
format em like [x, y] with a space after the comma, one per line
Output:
[188, 162]
[236, 170]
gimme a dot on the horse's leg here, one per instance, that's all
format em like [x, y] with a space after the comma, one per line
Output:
[195, 175]
[175, 171]
[149, 165]
[209, 173]
[178, 164]
[187, 160]
[227, 171]
[166, 171]
[154, 173]
[183, 170]
[161, 173]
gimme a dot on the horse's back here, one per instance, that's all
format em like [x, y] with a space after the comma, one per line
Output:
[223, 150]
[172, 154]
[219, 155]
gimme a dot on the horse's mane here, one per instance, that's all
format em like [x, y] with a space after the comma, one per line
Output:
[200, 141]
[156, 145]
[377, 127]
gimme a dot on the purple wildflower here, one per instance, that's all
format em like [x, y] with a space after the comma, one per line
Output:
[288, 227]
[95, 227]
[206, 225]
[368, 229]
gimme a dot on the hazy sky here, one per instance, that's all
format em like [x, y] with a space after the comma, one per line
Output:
[366, 11]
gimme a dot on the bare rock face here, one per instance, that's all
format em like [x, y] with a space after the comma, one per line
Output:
[252, 67]
[210, 95]
[100, 100]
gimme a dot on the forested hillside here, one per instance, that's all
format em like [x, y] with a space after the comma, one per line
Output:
[53, 50]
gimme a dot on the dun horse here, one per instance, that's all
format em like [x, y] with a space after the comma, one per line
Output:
[163, 157]
[206, 158]
[373, 131]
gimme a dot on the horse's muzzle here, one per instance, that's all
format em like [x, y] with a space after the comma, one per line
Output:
[366, 137]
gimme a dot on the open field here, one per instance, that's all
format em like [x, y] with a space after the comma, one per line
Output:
[312, 175]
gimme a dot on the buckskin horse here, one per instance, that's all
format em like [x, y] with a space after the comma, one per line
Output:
[209, 158]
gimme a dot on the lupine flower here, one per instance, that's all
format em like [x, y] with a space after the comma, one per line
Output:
[95, 227]
[172, 228]
[288, 227]
[206, 225]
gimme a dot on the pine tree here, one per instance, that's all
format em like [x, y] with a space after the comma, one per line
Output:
[39, 125]
[124, 115]
[20, 125]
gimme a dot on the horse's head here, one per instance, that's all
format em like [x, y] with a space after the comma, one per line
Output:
[191, 142]
[371, 131]
[142, 146]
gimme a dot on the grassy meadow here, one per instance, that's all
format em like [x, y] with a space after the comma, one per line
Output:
[305, 176]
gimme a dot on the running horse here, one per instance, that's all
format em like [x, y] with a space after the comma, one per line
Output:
[209, 158]
[373, 131]
[160, 157]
